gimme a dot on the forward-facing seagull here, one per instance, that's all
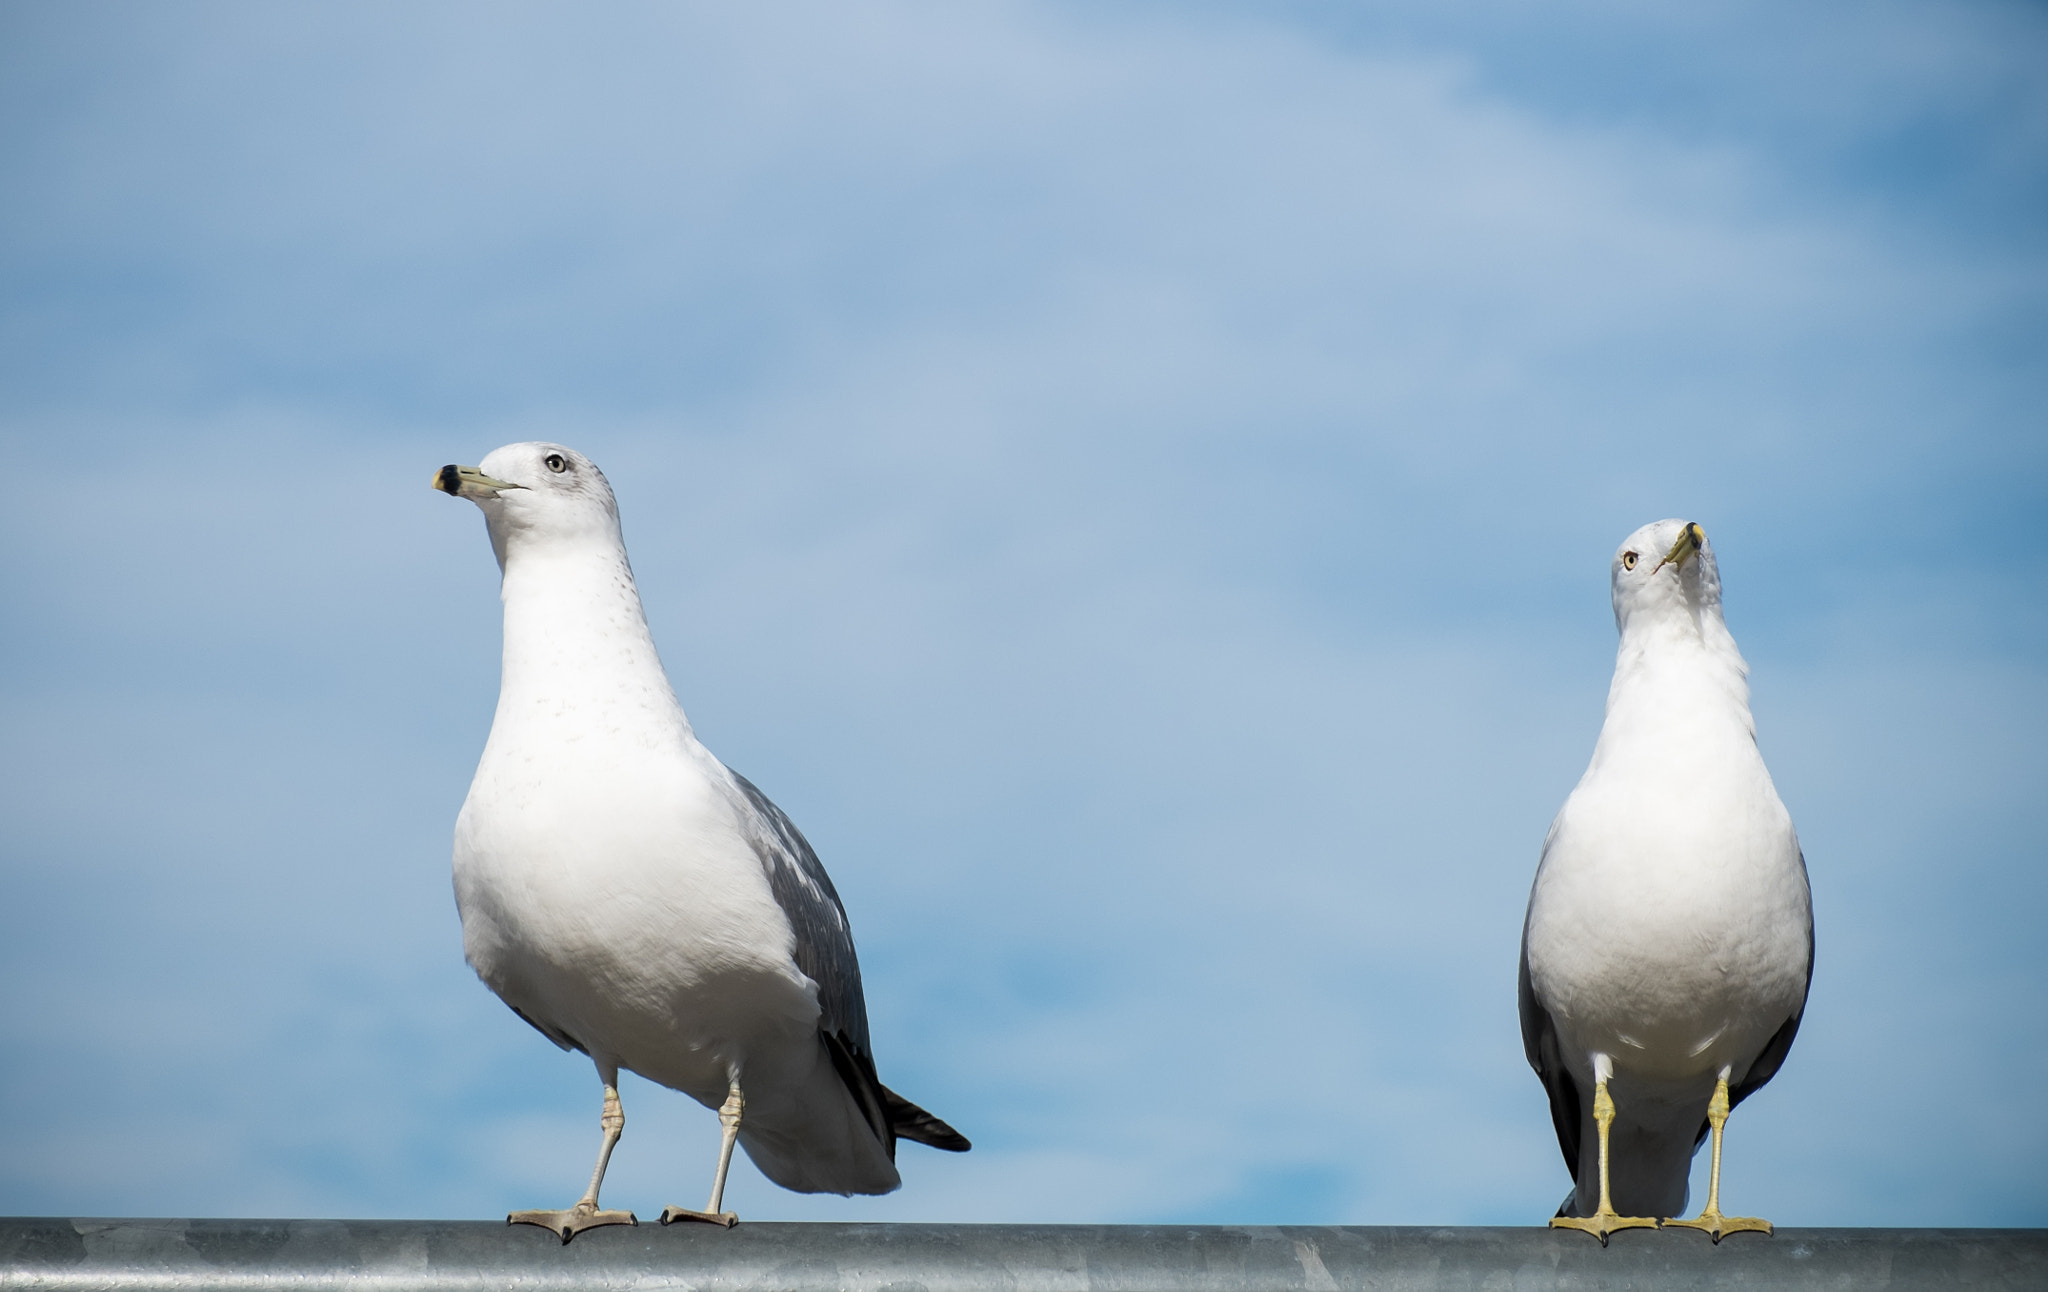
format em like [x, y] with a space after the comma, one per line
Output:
[632, 897]
[1669, 941]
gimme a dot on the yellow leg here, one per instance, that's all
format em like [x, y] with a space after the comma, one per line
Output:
[1711, 1220]
[585, 1214]
[728, 1117]
[1604, 1221]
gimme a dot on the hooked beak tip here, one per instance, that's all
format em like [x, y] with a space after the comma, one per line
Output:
[1690, 540]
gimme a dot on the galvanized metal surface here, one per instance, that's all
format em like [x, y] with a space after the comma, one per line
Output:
[317, 1254]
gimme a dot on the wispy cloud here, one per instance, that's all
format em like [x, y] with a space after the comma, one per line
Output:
[1135, 484]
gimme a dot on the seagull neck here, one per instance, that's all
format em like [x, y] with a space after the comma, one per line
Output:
[1691, 659]
[576, 639]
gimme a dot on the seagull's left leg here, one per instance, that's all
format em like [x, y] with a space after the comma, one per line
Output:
[728, 1117]
[1711, 1220]
[585, 1214]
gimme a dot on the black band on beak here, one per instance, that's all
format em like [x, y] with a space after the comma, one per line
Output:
[450, 479]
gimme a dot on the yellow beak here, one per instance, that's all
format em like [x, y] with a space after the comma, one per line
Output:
[468, 482]
[1690, 539]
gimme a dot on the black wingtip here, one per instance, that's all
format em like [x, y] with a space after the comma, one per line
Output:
[914, 1123]
[935, 1133]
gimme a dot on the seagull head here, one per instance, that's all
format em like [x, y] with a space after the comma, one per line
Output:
[536, 494]
[1665, 569]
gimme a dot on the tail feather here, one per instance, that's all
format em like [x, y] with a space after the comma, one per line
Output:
[914, 1123]
[888, 1114]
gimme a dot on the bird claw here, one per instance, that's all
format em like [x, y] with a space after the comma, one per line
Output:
[670, 1215]
[1715, 1225]
[1602, 1223]
[568, 1223]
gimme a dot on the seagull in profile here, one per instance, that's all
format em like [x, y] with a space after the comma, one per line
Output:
[1669, 942]
[632, 897]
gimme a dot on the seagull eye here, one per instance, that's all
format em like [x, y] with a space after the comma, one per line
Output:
[1628, 560]
[556, 463]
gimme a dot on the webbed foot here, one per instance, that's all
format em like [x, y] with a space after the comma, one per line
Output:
[670, 1215]
[1602, 1223]
[568, 1223]
[1715, 1225]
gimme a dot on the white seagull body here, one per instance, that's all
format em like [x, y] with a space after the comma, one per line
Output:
[1669, 940]
[633, 898]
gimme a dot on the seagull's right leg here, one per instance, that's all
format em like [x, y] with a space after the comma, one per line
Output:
[728, 1117]
[585, 1214]
[1604, 1221]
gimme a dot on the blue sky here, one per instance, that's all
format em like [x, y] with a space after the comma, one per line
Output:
[1134, 481]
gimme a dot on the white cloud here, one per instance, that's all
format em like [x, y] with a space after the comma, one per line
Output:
[1135, 489]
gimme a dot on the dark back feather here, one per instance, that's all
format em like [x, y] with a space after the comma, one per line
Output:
[824, 939]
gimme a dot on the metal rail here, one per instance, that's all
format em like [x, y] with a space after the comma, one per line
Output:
[136, 1255]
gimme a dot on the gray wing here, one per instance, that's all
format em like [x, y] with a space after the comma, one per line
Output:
[824, 939]
[1539, 1043]
[824, 951]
